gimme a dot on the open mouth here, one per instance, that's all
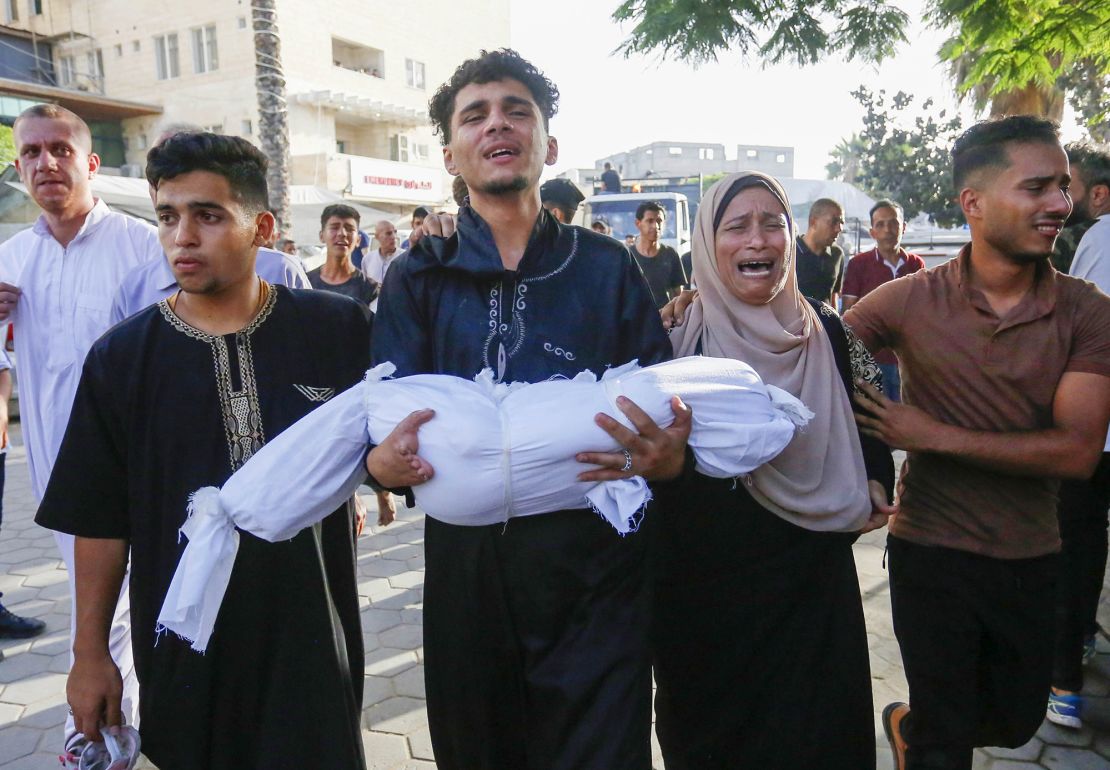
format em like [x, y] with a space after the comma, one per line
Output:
[503, 152]
[755, 268]
[1050, 228]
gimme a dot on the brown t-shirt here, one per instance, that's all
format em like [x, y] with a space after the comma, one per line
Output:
[965, 366]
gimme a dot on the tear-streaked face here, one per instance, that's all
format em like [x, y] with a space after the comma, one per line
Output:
[751, 244]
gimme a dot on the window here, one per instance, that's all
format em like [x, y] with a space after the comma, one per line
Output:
[419, 152]
[705, 153]
[142, 141]
[67, 72]
[95, 62]
[399, 148]
[341, 146]
[780, 158]
[242, 22]
[753, 153]
[215, 128]
[136, 46]
[676, 151]
[11, 9]
[205, 58]
[165, 56]
[119, 50]
[247, 128]
[35, 6]
[414, 73]
[360, 58]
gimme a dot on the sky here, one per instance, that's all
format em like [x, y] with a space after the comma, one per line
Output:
[610, 104]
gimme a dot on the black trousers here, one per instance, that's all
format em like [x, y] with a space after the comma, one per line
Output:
[536, 645]
[1083, 515]
[976, 637]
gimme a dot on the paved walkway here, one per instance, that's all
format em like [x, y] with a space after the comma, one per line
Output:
[391, 562]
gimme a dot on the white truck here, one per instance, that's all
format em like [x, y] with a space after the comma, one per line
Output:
[618, 210]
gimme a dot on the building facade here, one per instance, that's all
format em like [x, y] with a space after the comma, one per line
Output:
[692, 158]
[359, 74]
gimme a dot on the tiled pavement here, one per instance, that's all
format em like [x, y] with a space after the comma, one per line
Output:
[391, 561]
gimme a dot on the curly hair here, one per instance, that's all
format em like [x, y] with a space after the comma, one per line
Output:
[235, 159]
[491, 66]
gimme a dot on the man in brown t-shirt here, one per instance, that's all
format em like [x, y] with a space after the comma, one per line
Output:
[1006, 388]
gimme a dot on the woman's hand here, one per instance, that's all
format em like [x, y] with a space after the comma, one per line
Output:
[881, 511]
[655, 453]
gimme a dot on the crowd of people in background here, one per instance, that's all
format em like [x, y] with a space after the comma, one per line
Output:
[154, 361]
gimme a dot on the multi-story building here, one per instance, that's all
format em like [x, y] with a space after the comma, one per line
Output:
[359, 74]
[692, 158]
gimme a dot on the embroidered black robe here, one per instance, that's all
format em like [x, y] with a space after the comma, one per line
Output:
[164, 409]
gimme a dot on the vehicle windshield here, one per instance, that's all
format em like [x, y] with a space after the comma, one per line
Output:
[621, 216]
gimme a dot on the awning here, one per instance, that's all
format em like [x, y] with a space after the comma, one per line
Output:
[362, 106]
[89, 105]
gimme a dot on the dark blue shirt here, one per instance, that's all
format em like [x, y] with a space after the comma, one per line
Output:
[576, 301]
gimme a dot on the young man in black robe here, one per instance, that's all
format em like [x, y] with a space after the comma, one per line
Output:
[176, 398]
[535, 631]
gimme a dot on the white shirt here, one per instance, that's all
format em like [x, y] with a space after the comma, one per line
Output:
[64, 307]
[375, 266]
[154, 281]
[1092, 263]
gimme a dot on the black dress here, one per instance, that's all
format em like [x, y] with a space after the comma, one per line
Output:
[162, 410]
[759, 645]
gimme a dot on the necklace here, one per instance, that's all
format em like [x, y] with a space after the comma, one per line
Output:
[263, 295]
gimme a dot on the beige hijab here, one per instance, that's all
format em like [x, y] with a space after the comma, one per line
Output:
[819, 481]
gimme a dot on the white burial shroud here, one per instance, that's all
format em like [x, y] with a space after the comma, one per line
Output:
[498, 451]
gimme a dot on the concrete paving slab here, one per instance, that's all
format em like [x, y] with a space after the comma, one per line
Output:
[390, 583]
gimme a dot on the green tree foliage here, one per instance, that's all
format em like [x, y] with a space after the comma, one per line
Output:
[1089, 94]
[903, 154]
[1011, 44]
[708, 180]
[997, 47]
[7, 146]
[803, 31]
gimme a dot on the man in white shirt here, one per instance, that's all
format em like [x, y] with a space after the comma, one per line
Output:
[57, 281]
[376, 263]
[1083, 504]
[12, 626]
[154, 281]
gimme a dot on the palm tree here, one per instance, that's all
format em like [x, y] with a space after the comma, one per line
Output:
[1031, 99]
[846, 159]
[273, 123]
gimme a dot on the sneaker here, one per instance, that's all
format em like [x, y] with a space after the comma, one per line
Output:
[1089, 650]
[1064, 710]
[117, 752]
[71, 754]
[893, 715]
[13, 626]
